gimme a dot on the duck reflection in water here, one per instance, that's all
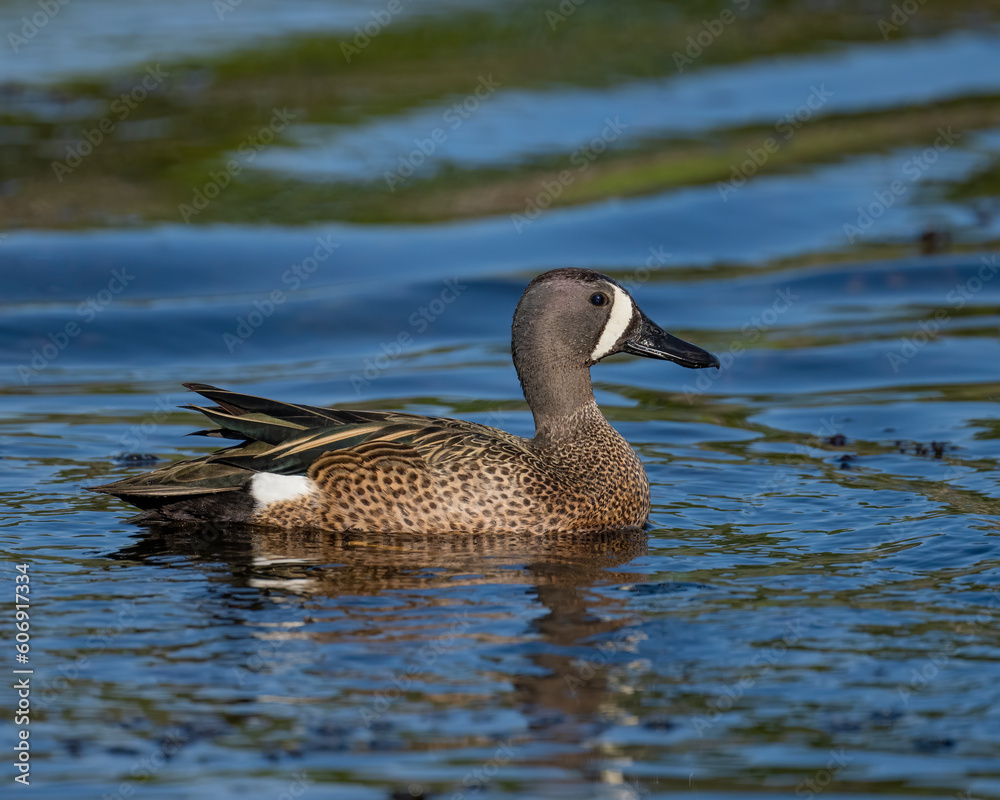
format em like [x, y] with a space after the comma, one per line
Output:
[541, 619]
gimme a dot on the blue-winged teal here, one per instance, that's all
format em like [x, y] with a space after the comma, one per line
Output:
[303, 466]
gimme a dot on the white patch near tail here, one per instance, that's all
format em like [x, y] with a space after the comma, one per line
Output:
[269, 487]
[622, 311]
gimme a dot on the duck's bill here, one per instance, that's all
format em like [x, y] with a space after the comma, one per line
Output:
[651, 341]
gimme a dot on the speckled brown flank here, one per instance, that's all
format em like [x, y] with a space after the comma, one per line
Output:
[470, 482]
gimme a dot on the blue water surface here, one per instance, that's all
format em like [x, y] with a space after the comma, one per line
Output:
[813, 610]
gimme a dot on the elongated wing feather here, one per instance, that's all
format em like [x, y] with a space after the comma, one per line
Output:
[288, 439]
[238, 404]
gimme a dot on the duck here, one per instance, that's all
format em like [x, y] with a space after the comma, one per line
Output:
[301, 466]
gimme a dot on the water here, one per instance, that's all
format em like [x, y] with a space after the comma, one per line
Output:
[813, 609]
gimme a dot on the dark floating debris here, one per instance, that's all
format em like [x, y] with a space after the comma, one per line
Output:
[135, 458]
[412, 792]
[934, 449]
[931, 744]
[845, 461]
[935, 241]
[837, 440]
[667, 587]
[845, 725]
[885, 718]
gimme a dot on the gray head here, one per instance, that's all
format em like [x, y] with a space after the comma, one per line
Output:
[569, 319]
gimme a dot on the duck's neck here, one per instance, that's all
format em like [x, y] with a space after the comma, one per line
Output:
[559, 393]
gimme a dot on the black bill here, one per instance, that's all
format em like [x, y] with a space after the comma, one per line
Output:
[651, 341]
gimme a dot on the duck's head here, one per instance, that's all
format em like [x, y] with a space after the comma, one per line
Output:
[580, 316]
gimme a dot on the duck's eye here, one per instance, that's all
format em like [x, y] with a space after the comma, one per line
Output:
[599, 299]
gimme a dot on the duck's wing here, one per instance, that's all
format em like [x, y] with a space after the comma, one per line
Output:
[290, 439]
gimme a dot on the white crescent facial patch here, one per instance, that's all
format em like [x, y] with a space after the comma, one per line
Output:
[622, 311]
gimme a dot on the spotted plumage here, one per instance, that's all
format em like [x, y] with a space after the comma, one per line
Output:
[304, 466]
